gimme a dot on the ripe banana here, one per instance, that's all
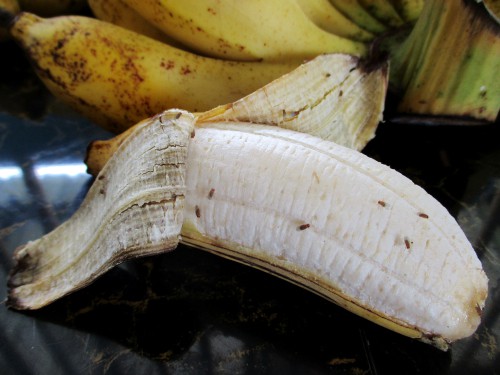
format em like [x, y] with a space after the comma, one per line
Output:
[320, 215]
[117, 77]
[120, 14]
[334, 97]
[247, 30]
[353, 10]
[327, 17]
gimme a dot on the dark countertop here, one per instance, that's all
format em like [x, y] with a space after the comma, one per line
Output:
[191, 312]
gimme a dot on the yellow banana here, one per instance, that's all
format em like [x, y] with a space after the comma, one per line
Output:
[327, 17]
[120, 14]
[317, 214]
[245, 30]
[384, 11]
[409, 9]
[353, 10]
[49, 8]
[117, 77]
[334, 97]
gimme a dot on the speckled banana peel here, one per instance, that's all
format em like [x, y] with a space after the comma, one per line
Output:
[120, 14]
[117, 77]
[320, 215]
[336, 97]
[244, 31]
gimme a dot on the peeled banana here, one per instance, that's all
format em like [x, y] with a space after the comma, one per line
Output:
[117, 77]
[320, 215]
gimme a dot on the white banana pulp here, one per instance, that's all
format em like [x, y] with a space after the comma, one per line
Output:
[337, 222]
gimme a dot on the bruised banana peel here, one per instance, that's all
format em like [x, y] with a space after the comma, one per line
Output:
[315, 213]
[336, 97]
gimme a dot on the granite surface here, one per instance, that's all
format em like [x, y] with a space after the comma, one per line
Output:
[191, 312]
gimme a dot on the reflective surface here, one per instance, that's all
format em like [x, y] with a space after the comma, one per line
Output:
[190, 312]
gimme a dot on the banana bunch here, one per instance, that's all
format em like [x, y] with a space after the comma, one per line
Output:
[176, 50]
[141, 57]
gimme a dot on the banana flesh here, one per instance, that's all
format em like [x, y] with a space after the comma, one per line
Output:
[315, 213]
[117, 77]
